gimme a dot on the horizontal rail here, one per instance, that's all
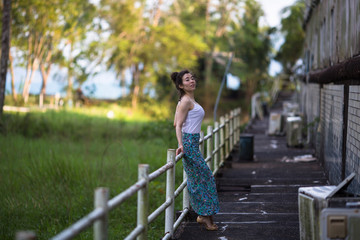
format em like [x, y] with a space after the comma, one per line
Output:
[115, 201]
[80, 225]
[135, 233]
[215, 171]
[167, 236]
[180, 218]
[160, 171]
[215, 151]
[217, 129]
[178, 157]
[159, 210]
[180, 188]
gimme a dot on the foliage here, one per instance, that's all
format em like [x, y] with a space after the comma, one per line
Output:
[53, 161]
[252, 47]
[149, 38]
[291, 28]
[146, 47]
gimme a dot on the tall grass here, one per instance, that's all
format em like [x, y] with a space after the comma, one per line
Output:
[50, 164]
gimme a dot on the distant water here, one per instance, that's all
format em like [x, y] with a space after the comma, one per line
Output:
[102, 86]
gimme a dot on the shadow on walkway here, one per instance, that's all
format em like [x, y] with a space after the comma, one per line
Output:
[258, 199]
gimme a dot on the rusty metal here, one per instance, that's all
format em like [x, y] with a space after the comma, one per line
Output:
[348, 70]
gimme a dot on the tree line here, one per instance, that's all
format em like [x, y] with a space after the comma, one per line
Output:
[151, 38]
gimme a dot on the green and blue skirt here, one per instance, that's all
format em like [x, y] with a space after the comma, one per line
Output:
[200, 181]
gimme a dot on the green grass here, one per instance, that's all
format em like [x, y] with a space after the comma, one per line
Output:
[50, 164]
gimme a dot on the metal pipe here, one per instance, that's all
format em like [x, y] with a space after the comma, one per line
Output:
[135, 233]
[222, 85]
[159, 210]
[143, 201]
[209, 147]
[101, 225]
[170, 187]
[160, 171]
[117, 200]
[215, 152]
[180, 218]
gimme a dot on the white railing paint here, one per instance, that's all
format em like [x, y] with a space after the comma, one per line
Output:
[101, 225]
[170, 189]
[220, 141]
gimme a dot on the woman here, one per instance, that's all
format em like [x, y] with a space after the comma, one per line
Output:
[200, 181]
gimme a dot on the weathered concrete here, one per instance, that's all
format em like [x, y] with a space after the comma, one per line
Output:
[258, 199]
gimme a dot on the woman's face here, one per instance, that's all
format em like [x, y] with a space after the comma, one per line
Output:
[188, 82]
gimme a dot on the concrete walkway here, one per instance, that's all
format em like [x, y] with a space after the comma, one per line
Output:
[258, 199]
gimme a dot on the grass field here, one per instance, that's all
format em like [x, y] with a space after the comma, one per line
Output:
[50, 164]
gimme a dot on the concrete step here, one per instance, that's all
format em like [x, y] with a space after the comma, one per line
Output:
[253, 217]
[269, 181]
[257, 197]
[256, 230]
[259, 207]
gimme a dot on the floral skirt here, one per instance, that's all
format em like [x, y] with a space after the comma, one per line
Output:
[200, 181]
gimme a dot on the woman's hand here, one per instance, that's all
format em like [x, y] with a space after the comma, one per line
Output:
[179, 150]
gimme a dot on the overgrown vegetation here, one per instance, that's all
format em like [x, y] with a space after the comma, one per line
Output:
[52, 162]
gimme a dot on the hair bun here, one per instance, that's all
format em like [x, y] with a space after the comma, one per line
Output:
[173, 76]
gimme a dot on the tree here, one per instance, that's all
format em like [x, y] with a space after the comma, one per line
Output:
[11, 65]
[148, 42]
[34, 24]
[291, 27]
[42, 31]
[13, 91]
[210, 20]
[5, 48]
[252, 46]
[76, 19]
[37, 39]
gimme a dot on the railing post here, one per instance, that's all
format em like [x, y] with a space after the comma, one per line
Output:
[238, 124]
[231, 139]
[100, 201]
[239, 119]
[209, 147]
[216, 143]
[170, 189]
[235, 126]
[227, 135]
[186, 197]
[202, 146]
[25, 235]
[143, 201]
[222, 140]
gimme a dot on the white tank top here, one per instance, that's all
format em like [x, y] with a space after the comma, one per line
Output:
[193, 120]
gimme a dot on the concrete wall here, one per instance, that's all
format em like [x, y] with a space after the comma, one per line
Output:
[310, 104]
[353, 137]
[333, 131]
[333, 38]
[328, 103]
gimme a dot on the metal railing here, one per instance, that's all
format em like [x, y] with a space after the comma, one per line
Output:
[220, 141]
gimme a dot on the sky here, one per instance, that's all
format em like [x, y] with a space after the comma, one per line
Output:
[106, 84]
[272, 10]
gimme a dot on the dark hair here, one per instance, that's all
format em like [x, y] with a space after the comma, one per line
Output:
[177, 79]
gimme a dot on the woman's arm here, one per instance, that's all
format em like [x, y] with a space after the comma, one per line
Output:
[180, 116]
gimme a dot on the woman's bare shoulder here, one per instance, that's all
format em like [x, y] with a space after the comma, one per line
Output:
[186, 102]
